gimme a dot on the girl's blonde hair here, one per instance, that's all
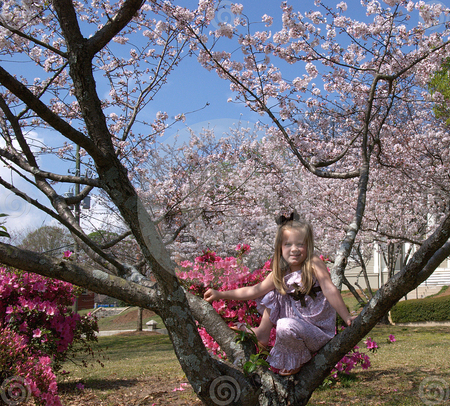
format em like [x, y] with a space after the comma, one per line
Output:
[280, 267]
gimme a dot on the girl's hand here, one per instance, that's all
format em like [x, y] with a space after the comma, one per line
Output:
[349, 320]
[211, 295]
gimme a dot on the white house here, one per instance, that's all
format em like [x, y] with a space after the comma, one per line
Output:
[377, 273]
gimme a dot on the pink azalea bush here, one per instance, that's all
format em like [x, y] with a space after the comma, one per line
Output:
[18, 360]
[212, 271]
[39, 331]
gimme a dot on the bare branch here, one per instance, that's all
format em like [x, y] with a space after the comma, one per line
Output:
[72, 228]
[48, 175]
[22, 92]
[116, 240]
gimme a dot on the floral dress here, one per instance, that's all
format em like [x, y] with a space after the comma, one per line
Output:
[302, 326]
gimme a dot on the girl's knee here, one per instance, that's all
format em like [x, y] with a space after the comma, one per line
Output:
[284, 328]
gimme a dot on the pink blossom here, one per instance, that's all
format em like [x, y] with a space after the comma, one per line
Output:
[236, 8]
[392, 338]
[268, 20]
[67, 254]
[37, 333]
[225, 30]
[342, 5]
[370, 344]
[181, 387]
[39, 305]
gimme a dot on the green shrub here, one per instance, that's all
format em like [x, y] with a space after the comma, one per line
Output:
[428, 309]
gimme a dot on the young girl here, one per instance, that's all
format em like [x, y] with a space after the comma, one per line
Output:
[298, 297]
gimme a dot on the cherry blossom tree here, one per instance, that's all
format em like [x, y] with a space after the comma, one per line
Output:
[340, 117]
[341, 143]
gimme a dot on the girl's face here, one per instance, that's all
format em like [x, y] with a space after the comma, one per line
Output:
[293, 248]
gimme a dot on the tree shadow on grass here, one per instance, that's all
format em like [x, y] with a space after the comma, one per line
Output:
[97, 384]
[149, 390]
[409, 385]
[398, 386]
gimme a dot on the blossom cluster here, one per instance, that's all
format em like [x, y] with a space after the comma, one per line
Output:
[39, 330]
[212, 271]
[354, 358]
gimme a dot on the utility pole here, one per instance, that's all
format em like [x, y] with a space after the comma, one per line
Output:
[77, 212]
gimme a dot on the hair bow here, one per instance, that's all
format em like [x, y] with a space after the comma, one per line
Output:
[282, 220]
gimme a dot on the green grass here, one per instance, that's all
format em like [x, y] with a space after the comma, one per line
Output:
[395, 377]
[127, 358]
[397, 371]
[130, 354]
[443, 290]
[351, 301]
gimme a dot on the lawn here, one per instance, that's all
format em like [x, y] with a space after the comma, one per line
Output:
[141, 369]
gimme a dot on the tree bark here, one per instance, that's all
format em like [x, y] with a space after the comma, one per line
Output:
[139, 319]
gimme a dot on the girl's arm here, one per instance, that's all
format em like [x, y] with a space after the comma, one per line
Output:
[330, 291]
[245, 293]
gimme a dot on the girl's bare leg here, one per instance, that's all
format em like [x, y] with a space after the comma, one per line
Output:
[262, 332]
[265, 327]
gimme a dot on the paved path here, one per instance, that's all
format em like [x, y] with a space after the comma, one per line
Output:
[114, 332]
[424, 324]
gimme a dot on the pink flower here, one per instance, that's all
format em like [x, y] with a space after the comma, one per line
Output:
[37, 333]
[181, 387]
[80, 386]
[392, 338]
[371, 345]
[67, 254]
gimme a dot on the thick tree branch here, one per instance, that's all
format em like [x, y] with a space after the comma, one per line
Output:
[96, 280]
[113, 26]
[216, 327]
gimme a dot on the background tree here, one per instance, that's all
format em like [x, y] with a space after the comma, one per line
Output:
[52, 240]
[370, 117]
[440, 89]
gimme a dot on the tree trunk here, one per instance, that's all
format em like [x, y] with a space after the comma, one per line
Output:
[139, 319]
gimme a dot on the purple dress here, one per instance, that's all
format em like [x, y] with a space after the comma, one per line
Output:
[300, 330]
